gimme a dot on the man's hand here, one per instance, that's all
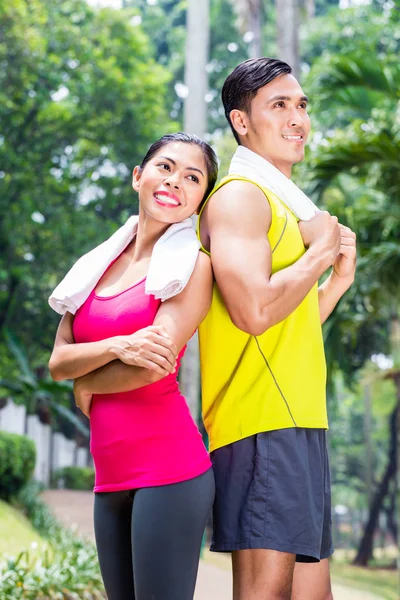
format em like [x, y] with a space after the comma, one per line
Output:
[345, 263]
[150, 348]
[322, 230]
[83, 398]
[342, 275]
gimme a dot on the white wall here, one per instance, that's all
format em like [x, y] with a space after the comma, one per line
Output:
[53, 450]
[12, 418]
[41, 435]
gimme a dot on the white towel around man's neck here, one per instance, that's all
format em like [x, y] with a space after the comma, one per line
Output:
[248, 164]
[172, 263]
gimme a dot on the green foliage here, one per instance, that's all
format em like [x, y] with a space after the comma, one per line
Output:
[68, 570]
[383, 583]
[353, 171]
[51, 399]
[368, 29]
[227, 48]
[349, 435]
[17, 533]
[29, 502]
[70, 575]
[17, 462]
[81, 98]
[74, 478]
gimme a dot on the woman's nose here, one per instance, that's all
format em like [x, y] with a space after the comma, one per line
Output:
[172, 182]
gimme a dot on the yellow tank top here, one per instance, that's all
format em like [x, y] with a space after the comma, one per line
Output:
[275, 380]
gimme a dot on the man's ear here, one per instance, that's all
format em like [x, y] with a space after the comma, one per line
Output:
[136, 175]
[239, 121]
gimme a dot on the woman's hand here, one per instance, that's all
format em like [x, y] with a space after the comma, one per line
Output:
[344, 266]
[151, 348]
[83, 398]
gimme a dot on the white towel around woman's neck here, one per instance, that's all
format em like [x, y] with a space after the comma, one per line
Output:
[172, 263]
[248, 164]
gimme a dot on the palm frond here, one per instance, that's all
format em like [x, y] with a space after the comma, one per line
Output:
[337, 72]
[71, 417]
[354, 150]
[18, 351]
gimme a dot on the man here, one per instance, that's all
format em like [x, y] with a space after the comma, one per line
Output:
[262, 357]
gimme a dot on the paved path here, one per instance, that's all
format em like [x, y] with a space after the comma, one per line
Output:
[74, 509]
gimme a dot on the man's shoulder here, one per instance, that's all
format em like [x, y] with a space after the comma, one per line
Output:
[231, 194]
[233, 184]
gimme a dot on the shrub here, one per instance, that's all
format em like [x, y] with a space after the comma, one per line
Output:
[17, 461]
[29, 502]
[68, 570]
[74, 478]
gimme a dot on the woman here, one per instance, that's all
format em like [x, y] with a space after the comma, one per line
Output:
[154, 485]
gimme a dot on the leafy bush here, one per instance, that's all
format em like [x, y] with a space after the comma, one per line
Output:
[74, 478]
[17, 461]
[29, 502]
[67, 571]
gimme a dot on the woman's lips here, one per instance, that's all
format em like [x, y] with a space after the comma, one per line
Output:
[165, 199]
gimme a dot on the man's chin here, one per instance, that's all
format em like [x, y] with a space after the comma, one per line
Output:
[298, 158]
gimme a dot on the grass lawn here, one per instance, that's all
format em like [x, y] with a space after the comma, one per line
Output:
[382, 582]
[16, 533]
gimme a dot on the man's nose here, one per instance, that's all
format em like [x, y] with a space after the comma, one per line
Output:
[296, 118]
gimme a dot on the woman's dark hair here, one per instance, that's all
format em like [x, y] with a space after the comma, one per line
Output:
[188, 138]
[246, 79]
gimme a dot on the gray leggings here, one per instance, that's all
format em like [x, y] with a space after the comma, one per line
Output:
[148, 540]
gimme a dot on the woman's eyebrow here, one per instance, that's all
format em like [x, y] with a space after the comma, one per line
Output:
[189, 168]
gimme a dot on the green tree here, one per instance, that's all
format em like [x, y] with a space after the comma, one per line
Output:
[81, 98]
[355, 173]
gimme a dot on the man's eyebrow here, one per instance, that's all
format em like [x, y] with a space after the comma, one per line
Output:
[276, 98]
[189, 168]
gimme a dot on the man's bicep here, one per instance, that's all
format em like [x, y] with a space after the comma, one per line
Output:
[240, 251]
[241, 263]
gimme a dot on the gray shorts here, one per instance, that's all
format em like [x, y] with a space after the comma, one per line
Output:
[273, 492]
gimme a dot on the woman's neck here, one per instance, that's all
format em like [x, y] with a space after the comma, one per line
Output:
[148, 233]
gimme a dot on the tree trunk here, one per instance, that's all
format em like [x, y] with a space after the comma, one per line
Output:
[12, 285]
[249, 14]
[391, 514]
[195, 121]
[365, 550]
[310, 9]
[255, 26]
[368, 442]
[287, 22]
[197, 48]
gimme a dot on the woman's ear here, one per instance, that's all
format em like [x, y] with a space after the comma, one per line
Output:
[137, 173]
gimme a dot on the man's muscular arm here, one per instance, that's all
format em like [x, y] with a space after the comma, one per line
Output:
[237, 220]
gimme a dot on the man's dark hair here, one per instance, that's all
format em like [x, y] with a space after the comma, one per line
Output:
[246, 79]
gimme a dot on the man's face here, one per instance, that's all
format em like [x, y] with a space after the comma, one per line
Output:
[278, 124]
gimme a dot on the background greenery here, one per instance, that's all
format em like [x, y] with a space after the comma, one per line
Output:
[83, 93]
[18, 455]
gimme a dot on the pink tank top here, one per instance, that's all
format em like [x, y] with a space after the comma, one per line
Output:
[145, 437]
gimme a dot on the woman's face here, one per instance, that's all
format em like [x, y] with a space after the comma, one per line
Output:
[173, 182]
